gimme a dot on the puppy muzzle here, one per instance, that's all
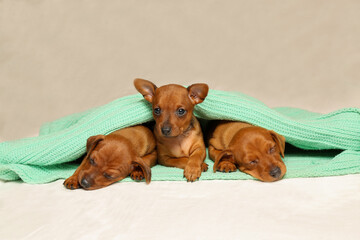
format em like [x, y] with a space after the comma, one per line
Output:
[85, 182]
[275, 172]
[166, 131]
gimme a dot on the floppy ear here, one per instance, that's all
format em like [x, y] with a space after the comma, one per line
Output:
[198, 92]
[146, 88]
[144, 167]
[93, 141]
[279, 140]
[224, 155]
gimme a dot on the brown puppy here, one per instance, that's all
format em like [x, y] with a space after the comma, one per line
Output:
[254, 150]
[178, 134]
[111, 158]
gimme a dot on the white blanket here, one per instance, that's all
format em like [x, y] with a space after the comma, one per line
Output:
[312, 208]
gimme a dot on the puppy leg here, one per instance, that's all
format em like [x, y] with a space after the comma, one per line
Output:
[150, 160]
[204, 167]
[213, 152]
[225, 165]
[195, 165]
[73, 182]
[174, 162]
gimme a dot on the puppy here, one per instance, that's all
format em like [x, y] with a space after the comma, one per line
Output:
[111, 158]
[254, 150]
[178, 134]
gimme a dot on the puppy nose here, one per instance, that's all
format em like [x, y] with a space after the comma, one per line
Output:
[166, 131]
[85, 183]
[275, 172]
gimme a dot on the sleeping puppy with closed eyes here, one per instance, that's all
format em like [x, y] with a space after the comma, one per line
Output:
[111, 158]
[253, 150]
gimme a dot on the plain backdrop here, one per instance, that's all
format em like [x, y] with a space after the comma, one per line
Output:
[62, 57]
[59, 57]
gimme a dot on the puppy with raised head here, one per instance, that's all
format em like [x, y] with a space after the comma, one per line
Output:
[253, 150]
[177, 131]
[111, 158]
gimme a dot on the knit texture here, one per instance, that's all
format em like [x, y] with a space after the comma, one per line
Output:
[51, 155]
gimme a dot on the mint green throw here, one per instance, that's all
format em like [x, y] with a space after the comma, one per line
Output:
[50, 156]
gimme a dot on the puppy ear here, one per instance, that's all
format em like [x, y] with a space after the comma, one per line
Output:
[198, 92]
[144, 167]
[93, 141]
[279, 140]
[224, 155]
[146, 88]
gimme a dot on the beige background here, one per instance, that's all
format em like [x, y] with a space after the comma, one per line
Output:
[62, 57]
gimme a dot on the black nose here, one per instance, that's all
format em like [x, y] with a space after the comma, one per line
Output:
[85, 183]
[166, 131]
[275, 172]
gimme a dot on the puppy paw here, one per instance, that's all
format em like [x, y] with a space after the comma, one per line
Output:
[71, 183]
[192, 173]
[226, 166]
[204, 167]
[137, 175]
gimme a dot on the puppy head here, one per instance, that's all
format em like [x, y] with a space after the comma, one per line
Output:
[257, 151]
[108, 161]
[172, 105]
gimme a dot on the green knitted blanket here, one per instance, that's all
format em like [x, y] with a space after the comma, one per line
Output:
[51, 155]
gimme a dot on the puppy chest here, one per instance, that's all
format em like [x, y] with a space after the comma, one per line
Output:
[180, 148]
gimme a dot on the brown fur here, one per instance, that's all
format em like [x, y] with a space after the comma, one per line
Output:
[111, 158]
[179, 138]
[254, 150]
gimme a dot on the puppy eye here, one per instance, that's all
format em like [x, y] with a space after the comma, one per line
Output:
[254, 162]
[157, 111]
[92, 161]
[272, 150]
[181, 112]
[107, 176]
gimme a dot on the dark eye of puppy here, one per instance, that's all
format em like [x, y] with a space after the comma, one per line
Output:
[180, 112]
[157, 111]
[272, 150]
[107, 176]
[92, 161]
[254, 162]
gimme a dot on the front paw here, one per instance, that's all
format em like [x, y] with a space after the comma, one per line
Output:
[204, 167]
[137, 175]
[71, 183]
[192, 173]
[226, 166]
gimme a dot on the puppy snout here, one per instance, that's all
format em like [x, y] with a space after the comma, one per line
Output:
[85, 183]
[166, 130]
[275, 172]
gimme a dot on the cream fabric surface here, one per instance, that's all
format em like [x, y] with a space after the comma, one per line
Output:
[312, 208]
[60, 57]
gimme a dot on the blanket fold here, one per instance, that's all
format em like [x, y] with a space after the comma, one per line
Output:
[48, 157]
